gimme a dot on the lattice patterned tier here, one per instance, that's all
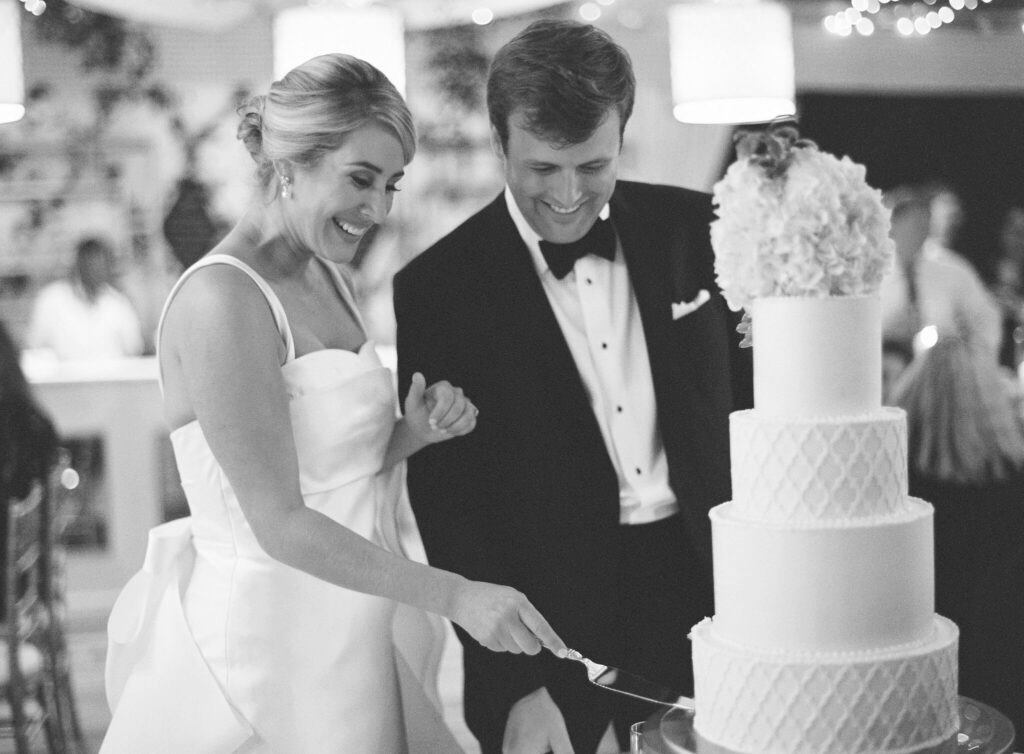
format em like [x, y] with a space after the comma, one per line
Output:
[788, 471]
[889, 701]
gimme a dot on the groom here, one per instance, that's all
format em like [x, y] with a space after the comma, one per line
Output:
[581, 314]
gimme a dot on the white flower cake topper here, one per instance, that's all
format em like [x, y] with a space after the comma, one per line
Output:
[796, 221]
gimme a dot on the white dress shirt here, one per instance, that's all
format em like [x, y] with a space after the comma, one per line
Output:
[600, 320]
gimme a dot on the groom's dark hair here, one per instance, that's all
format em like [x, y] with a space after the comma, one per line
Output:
[562, 77]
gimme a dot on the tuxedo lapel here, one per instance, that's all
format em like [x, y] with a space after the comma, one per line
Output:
[657, 266]
[650, 272]
[534, 343]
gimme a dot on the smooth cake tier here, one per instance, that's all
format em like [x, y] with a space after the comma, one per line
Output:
[895, 700]
[845, 587]
[812, 470]
[816, 357]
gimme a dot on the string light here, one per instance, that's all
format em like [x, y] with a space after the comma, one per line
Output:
[590, 12]
[482, 16]
[919, 17]
[35, 7]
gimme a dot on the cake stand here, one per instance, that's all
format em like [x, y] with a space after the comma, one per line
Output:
[983, 730]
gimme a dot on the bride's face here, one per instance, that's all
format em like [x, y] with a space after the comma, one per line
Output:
[335, 202]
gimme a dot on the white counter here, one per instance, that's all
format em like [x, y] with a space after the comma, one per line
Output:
[118, 401]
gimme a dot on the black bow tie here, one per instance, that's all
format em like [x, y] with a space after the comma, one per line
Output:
[561, 257]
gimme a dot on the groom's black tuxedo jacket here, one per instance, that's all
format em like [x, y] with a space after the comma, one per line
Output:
[530, 498]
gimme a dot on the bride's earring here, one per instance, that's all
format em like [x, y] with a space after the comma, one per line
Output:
[286, 187]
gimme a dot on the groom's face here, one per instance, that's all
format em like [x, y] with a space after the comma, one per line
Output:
[560, 189]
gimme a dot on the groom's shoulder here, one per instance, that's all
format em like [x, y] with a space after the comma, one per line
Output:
[456, 249]
[657, 198]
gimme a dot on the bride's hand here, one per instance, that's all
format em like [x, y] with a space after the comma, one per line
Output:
[438, 412]
[503, 620]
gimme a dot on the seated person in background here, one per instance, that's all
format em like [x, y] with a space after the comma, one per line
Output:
[929, 284]
[86, 316]
[966, 457]
[28, 441]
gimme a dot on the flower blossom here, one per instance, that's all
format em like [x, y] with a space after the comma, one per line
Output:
[795, 221]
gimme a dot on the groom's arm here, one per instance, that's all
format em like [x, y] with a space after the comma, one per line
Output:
[697, 213]
[454, 487]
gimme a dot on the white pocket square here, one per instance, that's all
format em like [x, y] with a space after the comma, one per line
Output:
[688, 307]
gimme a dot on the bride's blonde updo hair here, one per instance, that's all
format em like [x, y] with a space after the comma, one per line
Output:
[313, 108]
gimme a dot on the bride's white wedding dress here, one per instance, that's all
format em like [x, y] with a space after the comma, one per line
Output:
[214, 647]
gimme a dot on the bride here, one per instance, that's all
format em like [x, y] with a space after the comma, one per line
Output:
[283, 614]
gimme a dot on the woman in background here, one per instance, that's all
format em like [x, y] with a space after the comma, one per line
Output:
[283, 616]
[929, 284]
[28, 441]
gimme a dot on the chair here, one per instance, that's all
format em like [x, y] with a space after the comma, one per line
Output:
[53, 563]
[25, 621]
[34, 671]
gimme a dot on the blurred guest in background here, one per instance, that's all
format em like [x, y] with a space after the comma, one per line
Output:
[931, 285]
[911, 225]
[966, 457]
[947, 217]
[1009, 286]
[28, 440]
[85, 316]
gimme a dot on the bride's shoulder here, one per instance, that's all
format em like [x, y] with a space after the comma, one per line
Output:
[215, 290]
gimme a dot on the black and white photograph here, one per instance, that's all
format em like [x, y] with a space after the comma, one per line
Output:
[512, 376]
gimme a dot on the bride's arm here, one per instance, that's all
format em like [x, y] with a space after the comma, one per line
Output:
[222, 334]
[432, 414]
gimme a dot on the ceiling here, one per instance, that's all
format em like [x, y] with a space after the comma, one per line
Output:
[992, 16]
[214, 14]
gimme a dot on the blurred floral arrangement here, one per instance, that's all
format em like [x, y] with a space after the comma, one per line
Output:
[793, 220]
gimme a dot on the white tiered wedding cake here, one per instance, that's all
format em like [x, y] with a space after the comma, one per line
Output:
[825, 638]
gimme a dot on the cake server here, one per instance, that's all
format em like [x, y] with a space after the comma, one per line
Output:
[623, 682]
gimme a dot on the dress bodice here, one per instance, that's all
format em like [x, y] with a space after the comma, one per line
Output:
[216, 647]
[342, 406]
[343, 411]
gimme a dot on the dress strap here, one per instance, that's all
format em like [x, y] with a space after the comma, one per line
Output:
[280, 318]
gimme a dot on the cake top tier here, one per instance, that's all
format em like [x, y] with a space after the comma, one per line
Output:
[817, 357]
[796, 221]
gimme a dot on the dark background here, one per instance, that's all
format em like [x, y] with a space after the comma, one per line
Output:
[976, 144]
